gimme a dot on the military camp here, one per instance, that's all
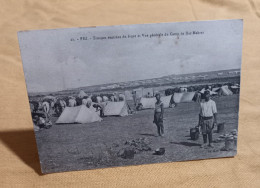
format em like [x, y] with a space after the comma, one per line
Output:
[105, 126]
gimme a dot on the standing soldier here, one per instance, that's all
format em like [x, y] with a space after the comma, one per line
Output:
[207, 118]
[99, 99]
[134, 97]
[46, 108]
[112, 98]
[158, 114]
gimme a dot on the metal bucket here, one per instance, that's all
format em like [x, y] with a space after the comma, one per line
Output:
[230, 144]
[221, 127]
[194, 133]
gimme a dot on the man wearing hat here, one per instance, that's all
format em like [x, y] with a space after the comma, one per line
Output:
[207, 118]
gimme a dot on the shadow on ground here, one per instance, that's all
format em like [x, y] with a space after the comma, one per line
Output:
[148, 134]
[190, 144]
[23, 144]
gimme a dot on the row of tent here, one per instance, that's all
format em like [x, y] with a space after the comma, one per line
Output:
[182, 97]
[140, 92]
[82, 114]
[148, 103]
[144, 92]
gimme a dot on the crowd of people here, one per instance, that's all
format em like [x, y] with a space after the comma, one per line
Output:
[42, 109]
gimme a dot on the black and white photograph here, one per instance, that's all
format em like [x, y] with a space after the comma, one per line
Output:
[123, 95]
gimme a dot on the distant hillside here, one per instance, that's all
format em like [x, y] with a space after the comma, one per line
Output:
[185, 79]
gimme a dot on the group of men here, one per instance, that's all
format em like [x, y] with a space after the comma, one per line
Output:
[207, 118]
[58, 105]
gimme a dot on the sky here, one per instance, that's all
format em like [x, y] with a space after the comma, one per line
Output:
[52, 61]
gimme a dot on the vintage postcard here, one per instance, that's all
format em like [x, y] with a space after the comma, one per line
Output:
[133, 94]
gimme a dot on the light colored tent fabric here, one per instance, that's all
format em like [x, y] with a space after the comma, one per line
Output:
[104, 98]
[166, 101]
[86, 101]
[139, 92]
[78, 114]
[225, 91]
[116, 109]
[202, 91]
[128, 95]
[82, 94]
[177, 97]
[183, 97]
[197, 97]
[213, 93]
[235, 87]
[99, 99]
[150, 102]
[146, 91]
[183, 89]
[161, 92]
[216, 89]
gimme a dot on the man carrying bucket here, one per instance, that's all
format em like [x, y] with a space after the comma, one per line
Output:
[207, 118]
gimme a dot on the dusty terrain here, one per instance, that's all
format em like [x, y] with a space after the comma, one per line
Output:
[96, 145]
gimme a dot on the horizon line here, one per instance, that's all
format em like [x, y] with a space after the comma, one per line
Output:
[37, 92]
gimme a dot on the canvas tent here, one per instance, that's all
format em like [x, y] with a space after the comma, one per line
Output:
[183, 89]
[197, 97]
[128, 95]
[235, 89]
[116, 109]
[216, 89]
[139, 92]
[166, 101]
[82, 94]
[146, 91]
[225, 91]
[150, 102]
[161, 92]
[183, 97]
[78, 114]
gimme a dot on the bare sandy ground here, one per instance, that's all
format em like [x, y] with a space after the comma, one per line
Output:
[96, 145]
